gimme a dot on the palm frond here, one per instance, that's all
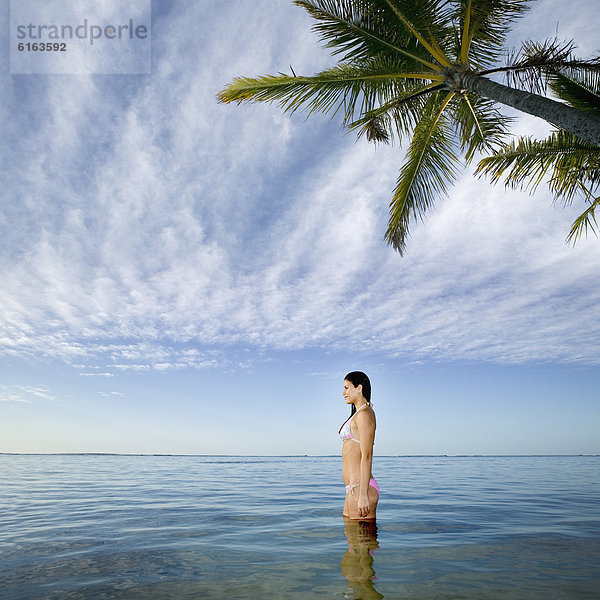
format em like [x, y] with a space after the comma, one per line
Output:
[430, 166]
[526, 67]
[466, 34]
[571, 165]
[585, 222]
[360, 28]
[396, 117]
[417, 18]
[350, 87]
[579, 88]
[479, 124]
[375, 131]
[534, 63]
[486, 24]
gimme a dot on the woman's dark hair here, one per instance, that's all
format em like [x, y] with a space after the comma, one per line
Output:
[357, 378]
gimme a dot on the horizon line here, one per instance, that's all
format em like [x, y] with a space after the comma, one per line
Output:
[157, 454]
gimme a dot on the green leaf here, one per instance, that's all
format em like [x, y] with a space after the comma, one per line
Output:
[356, 88]
[570, 165]
[479, 124]
[430, 166]
[398, 116]
[361, 28]
[585, 222]
[489, 23]
[579, 88]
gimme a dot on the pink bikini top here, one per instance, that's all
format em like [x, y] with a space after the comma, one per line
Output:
[346, 431]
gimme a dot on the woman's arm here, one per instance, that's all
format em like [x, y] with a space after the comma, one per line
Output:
[366, 431]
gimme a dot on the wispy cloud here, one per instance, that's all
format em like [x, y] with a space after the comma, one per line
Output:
[157, 230]
[12, 398]
[25, 393]
[39, 392]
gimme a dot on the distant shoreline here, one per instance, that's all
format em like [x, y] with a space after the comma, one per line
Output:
[290, 455]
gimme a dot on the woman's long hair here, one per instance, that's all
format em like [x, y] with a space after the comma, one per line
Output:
[357, 378]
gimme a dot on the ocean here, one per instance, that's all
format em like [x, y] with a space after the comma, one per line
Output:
[103, 527]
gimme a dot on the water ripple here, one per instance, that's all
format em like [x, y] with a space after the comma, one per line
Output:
[126, 527]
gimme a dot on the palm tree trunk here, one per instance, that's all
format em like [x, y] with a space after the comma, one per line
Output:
[584, 125]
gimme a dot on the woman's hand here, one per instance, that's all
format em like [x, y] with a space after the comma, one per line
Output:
[363, 505]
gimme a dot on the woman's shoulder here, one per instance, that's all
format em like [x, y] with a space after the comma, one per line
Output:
[366, 415]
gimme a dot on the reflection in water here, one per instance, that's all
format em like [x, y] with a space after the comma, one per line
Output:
[357, 562]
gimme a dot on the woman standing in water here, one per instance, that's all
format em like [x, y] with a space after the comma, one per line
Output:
[358, 435]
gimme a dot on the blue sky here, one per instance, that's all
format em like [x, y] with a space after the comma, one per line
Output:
[181, 276]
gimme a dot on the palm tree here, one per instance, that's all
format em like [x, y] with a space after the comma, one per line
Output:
[571, 166]
[420, 67]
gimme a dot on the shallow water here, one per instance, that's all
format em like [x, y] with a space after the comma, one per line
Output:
[179, 527]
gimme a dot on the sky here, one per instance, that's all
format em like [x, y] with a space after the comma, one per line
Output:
[182, 276]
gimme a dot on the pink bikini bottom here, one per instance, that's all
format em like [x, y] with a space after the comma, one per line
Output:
[350, 488]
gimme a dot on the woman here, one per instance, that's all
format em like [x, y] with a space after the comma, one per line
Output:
[358, 435]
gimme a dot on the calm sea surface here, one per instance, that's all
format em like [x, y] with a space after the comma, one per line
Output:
[192, 527]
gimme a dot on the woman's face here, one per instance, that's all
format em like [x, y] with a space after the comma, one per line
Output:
[351, 394]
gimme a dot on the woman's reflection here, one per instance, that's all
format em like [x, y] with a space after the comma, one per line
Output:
[357, 562]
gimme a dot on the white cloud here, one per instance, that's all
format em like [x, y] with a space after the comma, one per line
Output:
[12, 398]
[106, 374]
[25, 393]
[39, 392]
